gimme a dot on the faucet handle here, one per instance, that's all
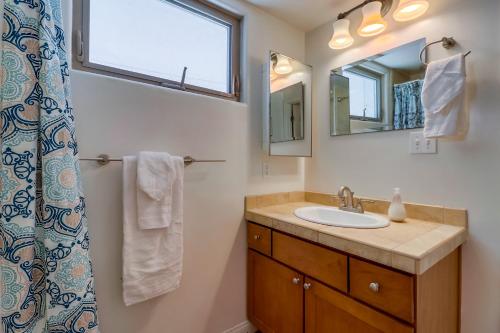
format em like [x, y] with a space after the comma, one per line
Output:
[366, 200]
[359, 204]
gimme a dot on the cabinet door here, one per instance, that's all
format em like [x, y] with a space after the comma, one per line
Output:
[275, 296]
[328, 311]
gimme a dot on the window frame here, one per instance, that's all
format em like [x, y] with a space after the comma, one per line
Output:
[378, 79]
[81, 59]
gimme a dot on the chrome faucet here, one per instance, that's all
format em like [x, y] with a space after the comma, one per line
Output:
[349, 203]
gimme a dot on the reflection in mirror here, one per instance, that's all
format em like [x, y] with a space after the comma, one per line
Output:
[290, 109]
[380, 93]
[287, 114]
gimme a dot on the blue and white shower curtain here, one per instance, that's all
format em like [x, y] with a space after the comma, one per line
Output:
[46, 281]
[408, 109]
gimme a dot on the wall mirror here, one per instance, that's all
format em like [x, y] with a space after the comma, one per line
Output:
[289, 109]
[379, 93]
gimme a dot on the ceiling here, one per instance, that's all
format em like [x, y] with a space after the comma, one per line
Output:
[304, 14]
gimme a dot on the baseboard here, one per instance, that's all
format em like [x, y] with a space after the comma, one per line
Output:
[245, 327]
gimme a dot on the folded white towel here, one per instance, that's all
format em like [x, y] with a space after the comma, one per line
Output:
[443, 98]
[152, 259]
[155, 178]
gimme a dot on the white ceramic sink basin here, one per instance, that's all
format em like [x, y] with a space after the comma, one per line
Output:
[339, 218]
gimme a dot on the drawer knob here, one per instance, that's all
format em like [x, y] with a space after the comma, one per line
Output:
[257, 237]
[296, 280]
[307, 286]
[374, 286]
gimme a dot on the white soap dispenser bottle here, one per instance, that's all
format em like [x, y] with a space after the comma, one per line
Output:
[397, 211]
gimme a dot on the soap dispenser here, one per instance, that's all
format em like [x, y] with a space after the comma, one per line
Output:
[397, 211]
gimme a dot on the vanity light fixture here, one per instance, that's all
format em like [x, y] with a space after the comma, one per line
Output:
[373, 22]
[282, 66]
[341, 38]
[410, 9]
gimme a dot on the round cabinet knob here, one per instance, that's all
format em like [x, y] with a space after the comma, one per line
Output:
[374, 286]
[307, 286]
[257, 237]
[296, 280]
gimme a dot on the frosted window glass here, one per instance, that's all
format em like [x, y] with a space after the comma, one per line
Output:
[362, 95]
[158, 38]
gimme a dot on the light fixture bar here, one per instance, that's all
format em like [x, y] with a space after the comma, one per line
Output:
[386, 7]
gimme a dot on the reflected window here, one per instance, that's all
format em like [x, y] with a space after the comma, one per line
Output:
[364, 94]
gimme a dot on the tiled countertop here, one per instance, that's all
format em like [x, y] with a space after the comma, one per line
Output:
[412, 246]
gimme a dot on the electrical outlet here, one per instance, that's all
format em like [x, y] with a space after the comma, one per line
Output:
[421, 145]
[266, 169]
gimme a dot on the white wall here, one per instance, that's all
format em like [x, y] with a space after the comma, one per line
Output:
[120, 117]
[262, 33]
[463, 174]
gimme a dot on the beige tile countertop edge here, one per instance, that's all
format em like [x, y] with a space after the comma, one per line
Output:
[433, 213]
[432, 241]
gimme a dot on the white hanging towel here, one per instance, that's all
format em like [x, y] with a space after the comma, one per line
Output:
[152, 258]
[443, 99]
[156, 175]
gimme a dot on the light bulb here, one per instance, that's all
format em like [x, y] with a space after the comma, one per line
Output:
[283, 66]
[410, 9]
[341, 37]
[373, 23]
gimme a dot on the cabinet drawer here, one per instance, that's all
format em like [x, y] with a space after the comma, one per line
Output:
[385, 289]
[259, 238]
[322, 264]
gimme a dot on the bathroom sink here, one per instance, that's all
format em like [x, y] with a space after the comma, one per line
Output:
[339, 218]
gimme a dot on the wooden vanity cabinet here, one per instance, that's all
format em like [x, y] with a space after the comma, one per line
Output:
[296, 286]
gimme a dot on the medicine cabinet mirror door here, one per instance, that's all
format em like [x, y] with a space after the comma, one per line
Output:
[288, 107]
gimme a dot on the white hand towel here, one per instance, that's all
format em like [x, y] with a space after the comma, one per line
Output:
[152, 259]
[155, 178]
[443, 98]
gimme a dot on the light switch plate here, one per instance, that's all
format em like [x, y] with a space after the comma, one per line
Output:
[421, 145]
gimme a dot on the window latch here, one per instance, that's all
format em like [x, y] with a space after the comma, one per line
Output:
[236, 86]
[178, 86]
[79, 46]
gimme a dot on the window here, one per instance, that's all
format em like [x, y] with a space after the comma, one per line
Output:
[153, 40]
[364, 94]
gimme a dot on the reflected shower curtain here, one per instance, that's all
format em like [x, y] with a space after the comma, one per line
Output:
[45, 272]
[408, 109]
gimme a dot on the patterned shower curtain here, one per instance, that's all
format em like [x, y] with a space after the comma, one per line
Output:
[408, 109]
[46, 282]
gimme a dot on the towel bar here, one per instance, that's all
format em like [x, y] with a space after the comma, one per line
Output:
[104, 159]
[446, 42]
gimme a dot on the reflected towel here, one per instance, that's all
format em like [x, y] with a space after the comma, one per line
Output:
[152, 259]
[443, 98]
